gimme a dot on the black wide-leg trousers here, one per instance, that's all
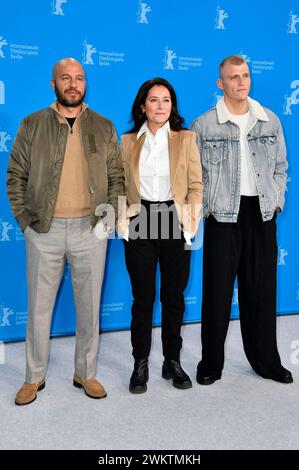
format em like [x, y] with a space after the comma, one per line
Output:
[246, 250]
[142, 256]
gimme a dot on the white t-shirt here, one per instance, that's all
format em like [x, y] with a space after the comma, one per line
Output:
[248, 183]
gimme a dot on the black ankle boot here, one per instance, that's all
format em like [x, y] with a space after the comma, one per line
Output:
[139, 377]
[283, 375]
[172, 370]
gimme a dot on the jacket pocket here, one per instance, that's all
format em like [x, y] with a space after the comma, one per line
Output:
[268, 139]
[270, 144]
[214, 151]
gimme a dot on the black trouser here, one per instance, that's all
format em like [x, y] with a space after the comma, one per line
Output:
[246, 249]
[142, 256]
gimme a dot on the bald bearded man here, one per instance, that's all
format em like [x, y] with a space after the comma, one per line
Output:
[64, 163]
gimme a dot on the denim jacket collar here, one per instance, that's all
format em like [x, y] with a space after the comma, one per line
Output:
[256, 110]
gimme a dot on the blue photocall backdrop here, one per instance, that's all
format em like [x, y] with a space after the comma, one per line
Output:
[121, 44]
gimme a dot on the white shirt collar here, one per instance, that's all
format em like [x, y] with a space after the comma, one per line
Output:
[144, 129]
[256, 111]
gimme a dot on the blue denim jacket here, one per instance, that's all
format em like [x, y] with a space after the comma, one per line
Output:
[219, 146]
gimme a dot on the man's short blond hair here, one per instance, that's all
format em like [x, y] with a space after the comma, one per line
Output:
[231, 59]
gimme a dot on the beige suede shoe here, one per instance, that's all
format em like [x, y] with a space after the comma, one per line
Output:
[28, 392]
[92, 387]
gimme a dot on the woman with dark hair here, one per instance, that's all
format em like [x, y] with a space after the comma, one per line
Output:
[162, 212]
[138, 116]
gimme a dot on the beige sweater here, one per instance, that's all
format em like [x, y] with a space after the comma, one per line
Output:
[73, 199]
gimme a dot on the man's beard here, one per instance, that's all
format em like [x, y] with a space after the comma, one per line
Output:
[65, 102]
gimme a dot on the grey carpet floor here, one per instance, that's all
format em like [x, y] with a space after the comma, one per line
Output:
[241, 411]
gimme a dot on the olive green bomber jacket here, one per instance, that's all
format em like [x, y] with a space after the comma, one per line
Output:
[36, 161]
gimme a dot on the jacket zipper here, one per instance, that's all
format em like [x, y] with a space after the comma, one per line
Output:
[91, 191]
[50, 176]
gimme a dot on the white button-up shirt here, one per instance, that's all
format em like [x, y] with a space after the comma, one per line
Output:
[154, 170]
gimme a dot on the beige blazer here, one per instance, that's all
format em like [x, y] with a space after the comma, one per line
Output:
[185, 177]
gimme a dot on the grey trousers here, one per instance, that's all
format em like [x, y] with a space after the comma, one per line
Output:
[68, 240]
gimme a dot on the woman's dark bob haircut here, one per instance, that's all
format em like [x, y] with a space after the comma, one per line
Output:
[138, 117]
